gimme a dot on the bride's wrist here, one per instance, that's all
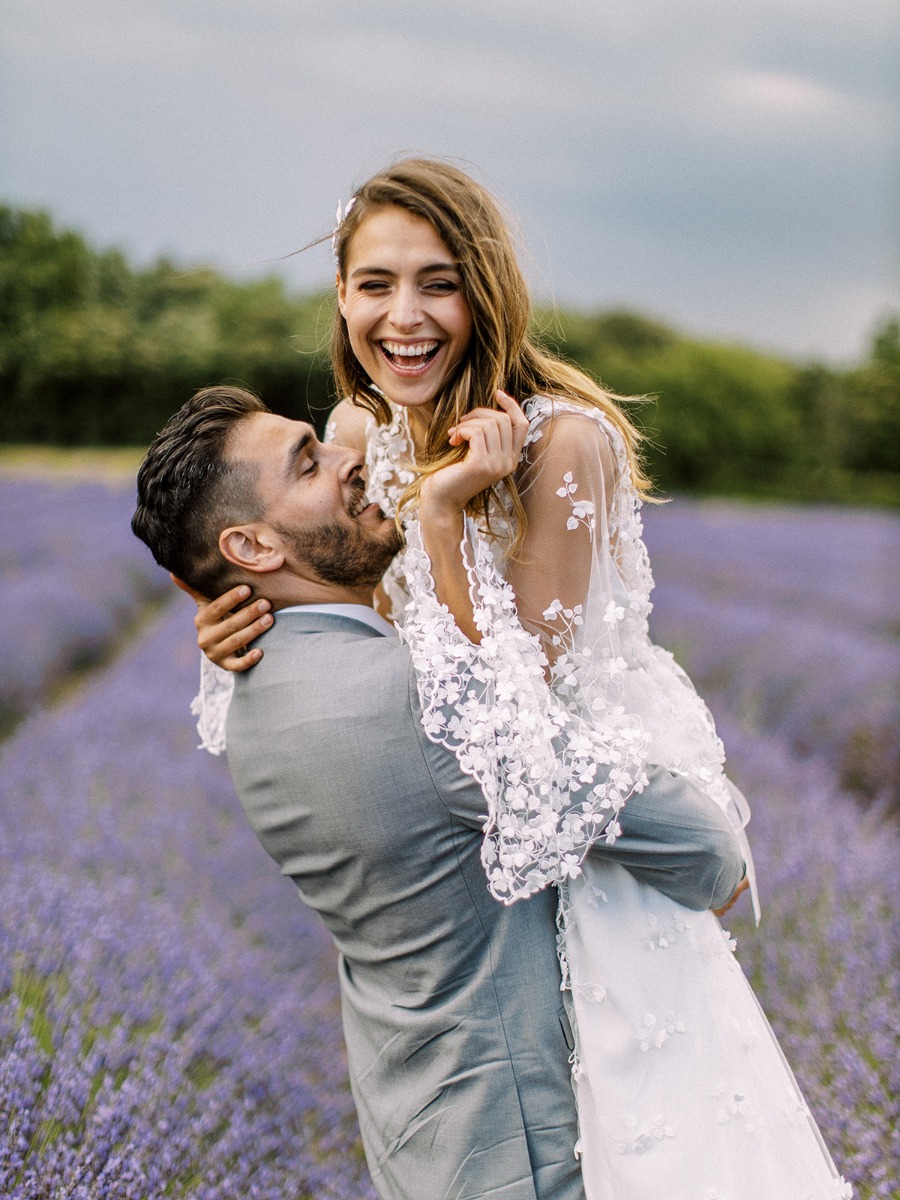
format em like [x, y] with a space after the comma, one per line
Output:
[440, 514]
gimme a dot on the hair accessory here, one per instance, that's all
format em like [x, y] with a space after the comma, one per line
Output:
[341, 216]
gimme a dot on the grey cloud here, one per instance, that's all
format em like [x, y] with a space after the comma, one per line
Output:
[658, 154]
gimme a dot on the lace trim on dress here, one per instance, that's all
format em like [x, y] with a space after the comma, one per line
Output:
[210, 705]
[553, 782]
[389, 458]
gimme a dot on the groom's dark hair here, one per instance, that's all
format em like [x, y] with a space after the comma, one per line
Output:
[188, 491]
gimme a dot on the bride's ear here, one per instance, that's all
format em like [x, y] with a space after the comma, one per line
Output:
[341, 295]
[252, 548]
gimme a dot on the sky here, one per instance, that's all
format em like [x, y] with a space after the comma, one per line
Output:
[732, 169]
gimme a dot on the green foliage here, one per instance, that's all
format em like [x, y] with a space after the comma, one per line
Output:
[728, 419]
[873, 392]
[94, 353]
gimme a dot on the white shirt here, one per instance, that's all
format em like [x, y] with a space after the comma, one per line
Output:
[356, 612]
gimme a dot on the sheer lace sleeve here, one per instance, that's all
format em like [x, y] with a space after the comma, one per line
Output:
[583, 584]
[552, 782]
[565, 577]
[566, 700]
[210, 705]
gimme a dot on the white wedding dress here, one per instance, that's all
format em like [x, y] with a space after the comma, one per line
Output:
[683, 1092]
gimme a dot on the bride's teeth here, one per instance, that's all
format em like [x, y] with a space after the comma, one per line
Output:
[401, 350]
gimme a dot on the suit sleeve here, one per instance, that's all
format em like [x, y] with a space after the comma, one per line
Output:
[676, 839]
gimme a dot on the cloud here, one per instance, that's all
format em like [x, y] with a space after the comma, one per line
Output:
[762, 101]
[656, 153]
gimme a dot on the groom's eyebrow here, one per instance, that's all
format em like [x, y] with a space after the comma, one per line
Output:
[296, 450]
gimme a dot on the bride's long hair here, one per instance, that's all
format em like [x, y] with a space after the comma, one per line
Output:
[500, 355]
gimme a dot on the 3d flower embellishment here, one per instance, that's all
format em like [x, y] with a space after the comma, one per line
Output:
[569, 488]
[570, 866]
[591, 993]
[735, 1106]
[582, 510]
[614, 613]
[656, 1033]
[638, 1143]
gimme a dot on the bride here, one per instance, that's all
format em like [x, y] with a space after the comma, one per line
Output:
[537, 576]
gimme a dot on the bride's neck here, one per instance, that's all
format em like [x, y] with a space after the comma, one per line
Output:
[417, 421]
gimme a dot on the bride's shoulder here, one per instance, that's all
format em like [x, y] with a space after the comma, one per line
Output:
[572, 430]
[348, 425]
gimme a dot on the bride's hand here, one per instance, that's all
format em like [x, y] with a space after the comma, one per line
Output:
[224, 630]
[494, 440]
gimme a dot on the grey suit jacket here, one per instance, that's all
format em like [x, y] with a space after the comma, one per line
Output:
[457, 1039]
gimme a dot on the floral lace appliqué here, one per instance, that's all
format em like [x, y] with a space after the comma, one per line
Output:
[662, 936]
[582, 510]
[735, 1106]
[389, 471]
[634, 1140]
[656, 1031]
[553, 783]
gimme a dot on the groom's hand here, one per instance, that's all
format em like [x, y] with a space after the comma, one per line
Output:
[738, 891]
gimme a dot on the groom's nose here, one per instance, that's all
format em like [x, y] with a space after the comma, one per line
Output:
[349, 462]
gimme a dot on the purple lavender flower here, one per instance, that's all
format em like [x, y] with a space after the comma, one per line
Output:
[169, 1019]
[168, 1009]
[72, 577]
[787, 618]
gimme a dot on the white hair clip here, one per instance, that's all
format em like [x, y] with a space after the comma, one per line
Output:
[341, 216]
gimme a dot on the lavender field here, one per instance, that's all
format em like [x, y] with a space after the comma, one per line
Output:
[168, 1010]
[73, 579]
[788, 619]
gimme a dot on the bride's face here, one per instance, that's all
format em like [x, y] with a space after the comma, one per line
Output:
[408, 320]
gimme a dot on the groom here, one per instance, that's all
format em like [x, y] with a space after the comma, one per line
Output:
[457, 1039]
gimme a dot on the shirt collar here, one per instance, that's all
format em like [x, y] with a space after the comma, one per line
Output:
[356, 612]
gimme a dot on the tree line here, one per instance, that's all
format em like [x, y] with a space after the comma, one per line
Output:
[95, 352]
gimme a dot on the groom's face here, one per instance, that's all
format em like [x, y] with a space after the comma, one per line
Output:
[314, 498]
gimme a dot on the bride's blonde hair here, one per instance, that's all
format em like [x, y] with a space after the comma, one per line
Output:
[501, 355]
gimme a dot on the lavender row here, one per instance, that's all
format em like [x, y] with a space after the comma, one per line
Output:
[824, 961]
[169, 1020]
[168, 1009]
[787, 618]
[72, 577]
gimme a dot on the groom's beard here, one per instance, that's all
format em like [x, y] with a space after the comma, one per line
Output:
[347, 555]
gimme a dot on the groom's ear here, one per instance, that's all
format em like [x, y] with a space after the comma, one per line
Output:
[253, 547]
